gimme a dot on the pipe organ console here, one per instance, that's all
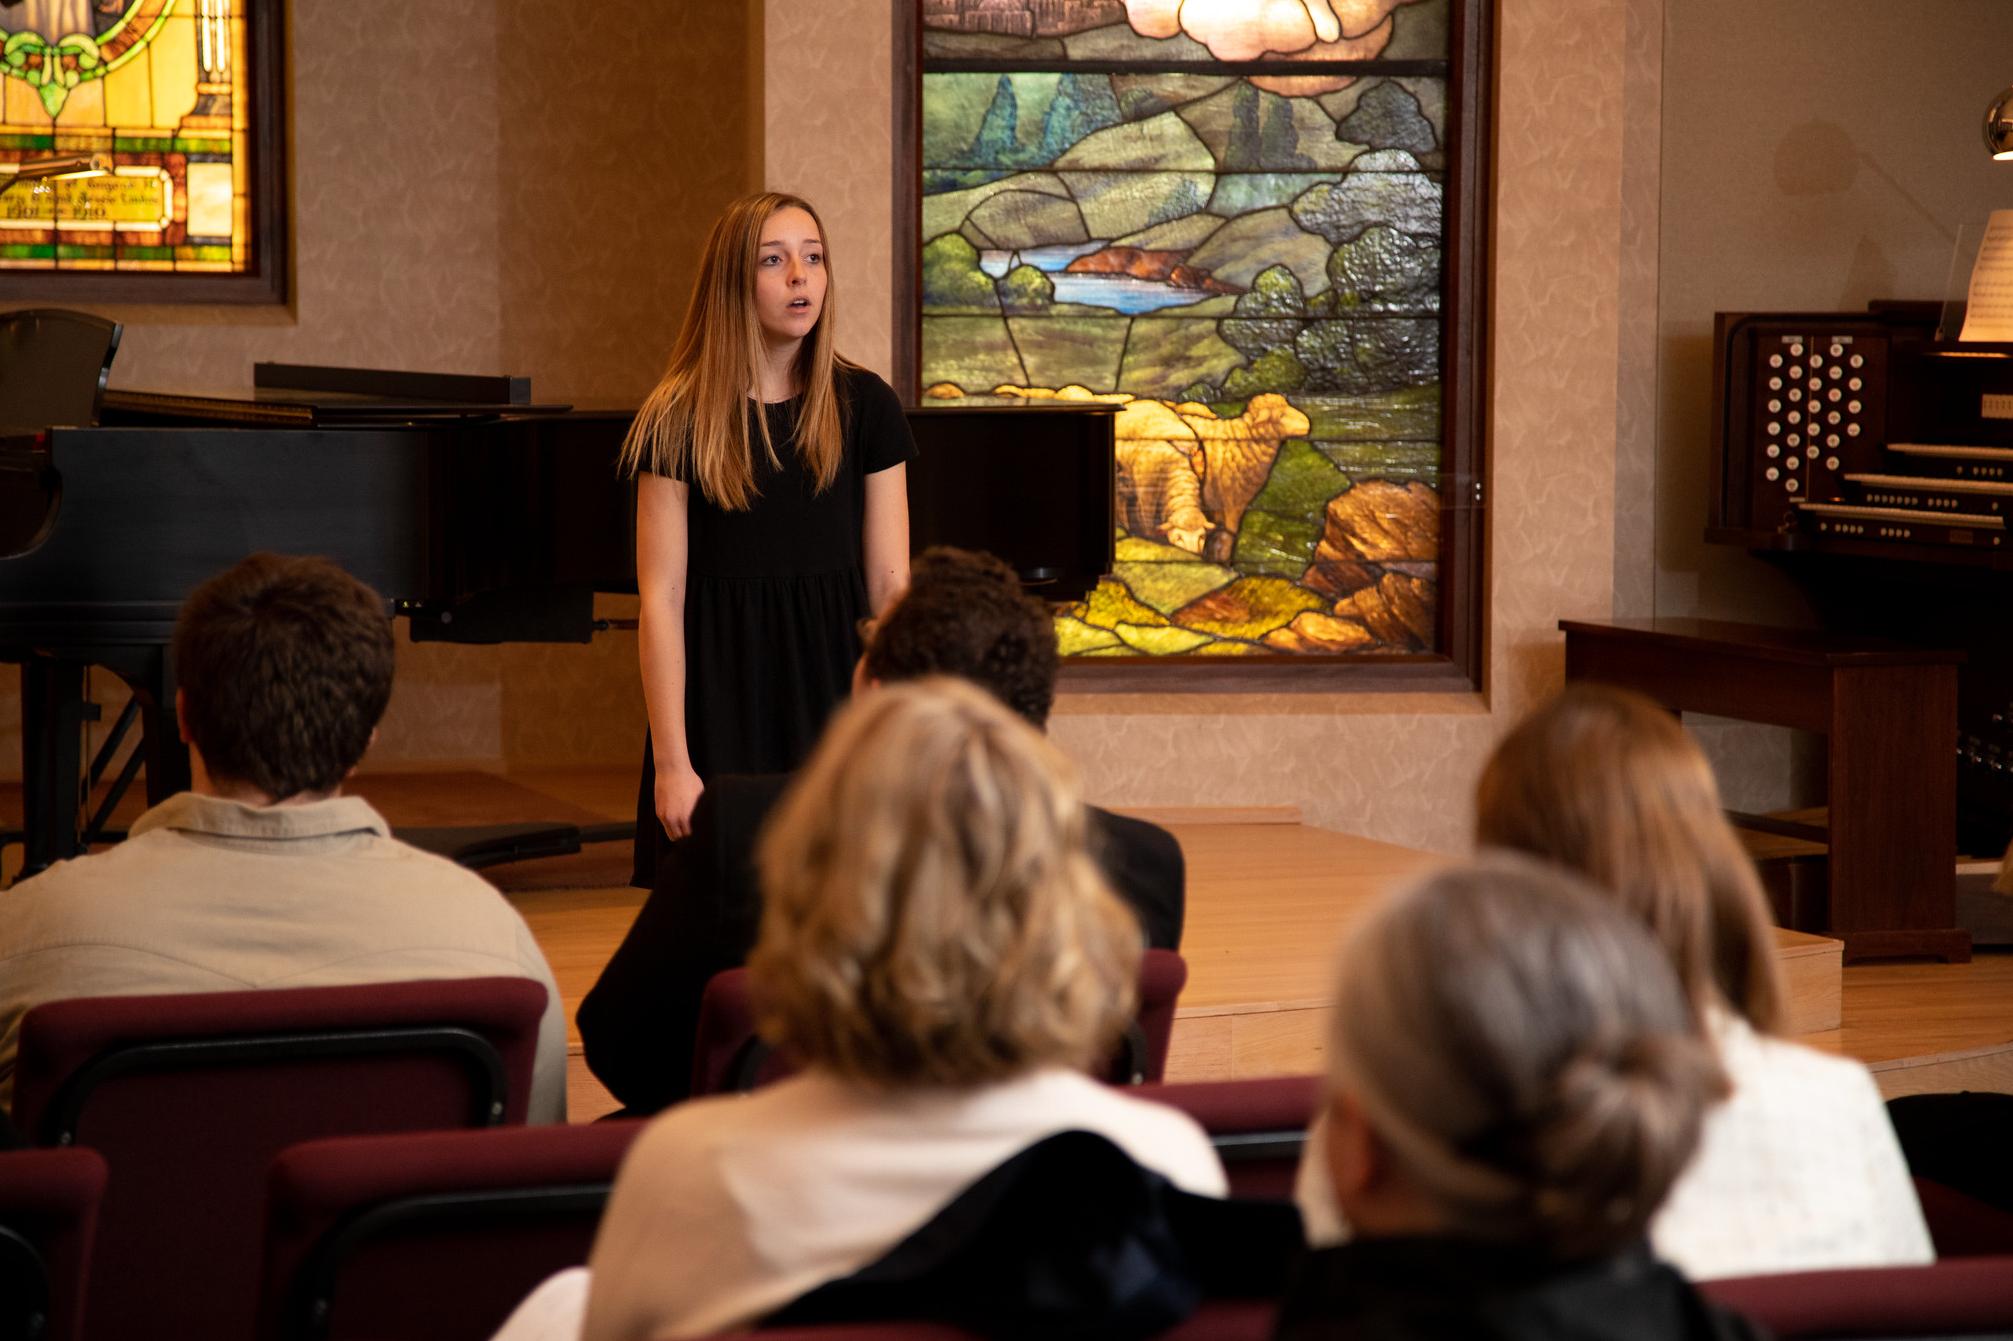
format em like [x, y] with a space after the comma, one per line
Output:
[1875, 464]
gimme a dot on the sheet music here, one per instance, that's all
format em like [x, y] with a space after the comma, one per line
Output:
[1988, 312]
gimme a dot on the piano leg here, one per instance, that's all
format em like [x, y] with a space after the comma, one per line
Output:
[54, 710]
[53, 713]
[153, 684]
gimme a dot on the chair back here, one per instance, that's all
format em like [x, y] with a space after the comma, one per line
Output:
[1259, 1127]
[189, 1098]
[1964, 1297]
[1960, 1225]
[1142, 1057]
[1216, 1320]
[48, 1214]
[53, 366]
[728, 1056]
[429, 1236]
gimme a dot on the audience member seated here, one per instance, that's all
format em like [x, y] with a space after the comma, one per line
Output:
[942, 956]
[1800, 1170]
[964, 615]
[264, 874]
[1517, 1079]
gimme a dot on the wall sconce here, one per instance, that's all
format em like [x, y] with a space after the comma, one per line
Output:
[55, 169]
[1999, 126]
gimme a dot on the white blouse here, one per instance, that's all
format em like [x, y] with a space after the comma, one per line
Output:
[728, 1208]
[1798, 1171]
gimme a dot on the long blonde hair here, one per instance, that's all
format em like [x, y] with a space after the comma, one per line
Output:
[1606, 783]
[694, 425]
[1525, 1052]
[931, 912]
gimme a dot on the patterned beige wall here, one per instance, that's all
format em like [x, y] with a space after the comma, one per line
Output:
[1636, 390]
[528, 234]
[493, 190]
[828, 124]
[1397, 767]
[1815, 154]
[507, 187]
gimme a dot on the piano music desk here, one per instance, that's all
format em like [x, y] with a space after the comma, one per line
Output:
[1888, 712]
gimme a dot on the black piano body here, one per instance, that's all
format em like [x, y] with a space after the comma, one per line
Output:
[482, 523]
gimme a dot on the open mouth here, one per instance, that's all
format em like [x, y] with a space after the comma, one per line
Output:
[800, 304]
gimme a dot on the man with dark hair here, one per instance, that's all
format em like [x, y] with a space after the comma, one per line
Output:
[263, 874]
[964, 614]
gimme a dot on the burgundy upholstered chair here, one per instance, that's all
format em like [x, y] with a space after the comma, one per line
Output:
[1216, 1320]
[1162, 975]
[429, 1236]
[1960, 1225]
[1258, 1127]
[189, 1098]
[1966, 1296]
[727, 1056]
[48, 1214]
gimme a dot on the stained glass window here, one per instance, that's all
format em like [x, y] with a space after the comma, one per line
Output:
[1229, 218]
[161, 87]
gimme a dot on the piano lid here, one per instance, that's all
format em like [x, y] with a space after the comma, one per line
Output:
[312, 396]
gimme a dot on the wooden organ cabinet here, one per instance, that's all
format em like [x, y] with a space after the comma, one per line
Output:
[1874, 463]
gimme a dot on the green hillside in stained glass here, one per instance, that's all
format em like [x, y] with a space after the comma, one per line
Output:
[1252, 265]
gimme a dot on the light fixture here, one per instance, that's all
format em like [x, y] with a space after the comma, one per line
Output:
[65, 168]
[1999, 126]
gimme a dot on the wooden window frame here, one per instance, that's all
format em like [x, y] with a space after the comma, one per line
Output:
[267, 282]
[1460, 664]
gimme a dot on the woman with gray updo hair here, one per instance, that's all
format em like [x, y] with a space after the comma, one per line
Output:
[1517, 1079]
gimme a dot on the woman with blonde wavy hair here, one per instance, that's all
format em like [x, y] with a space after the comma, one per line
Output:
[1800, 1170]
[940, 954]
[771, 516]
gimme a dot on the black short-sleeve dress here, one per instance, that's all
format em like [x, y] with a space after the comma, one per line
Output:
[773, 596]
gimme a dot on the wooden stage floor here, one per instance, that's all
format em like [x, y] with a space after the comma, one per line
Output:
[1268, 901]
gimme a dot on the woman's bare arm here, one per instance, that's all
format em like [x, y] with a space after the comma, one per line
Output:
[885, 537]
[660, 580]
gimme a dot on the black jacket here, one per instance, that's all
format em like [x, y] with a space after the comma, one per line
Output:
[638, 1022]
[1455, 1289]
[1069, 1240]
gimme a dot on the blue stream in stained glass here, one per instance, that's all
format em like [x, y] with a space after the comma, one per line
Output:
[1049, 259]
[1120, 293]
[1123, 293]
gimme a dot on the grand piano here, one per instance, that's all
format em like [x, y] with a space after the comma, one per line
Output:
[481, 516]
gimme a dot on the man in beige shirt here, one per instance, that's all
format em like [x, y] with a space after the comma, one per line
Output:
[263, 874]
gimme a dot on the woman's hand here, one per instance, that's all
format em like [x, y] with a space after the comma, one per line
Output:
[678, 789]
